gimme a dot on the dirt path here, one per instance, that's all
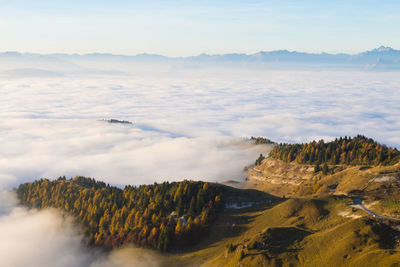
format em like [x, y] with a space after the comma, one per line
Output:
[357, 203]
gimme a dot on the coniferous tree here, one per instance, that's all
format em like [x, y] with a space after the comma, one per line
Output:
[317, 168]
[358, 150]
[111, 217]
[325, 169]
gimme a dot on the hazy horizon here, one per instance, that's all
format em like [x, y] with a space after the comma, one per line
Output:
[322, 51]
[192, 79]
[183, 28]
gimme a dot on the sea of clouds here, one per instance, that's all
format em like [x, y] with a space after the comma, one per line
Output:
[46, 238]
[187, 124]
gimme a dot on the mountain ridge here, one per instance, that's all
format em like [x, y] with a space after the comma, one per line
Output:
[380, 49]
[379, 59]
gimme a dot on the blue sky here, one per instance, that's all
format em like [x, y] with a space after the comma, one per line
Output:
[182, 28]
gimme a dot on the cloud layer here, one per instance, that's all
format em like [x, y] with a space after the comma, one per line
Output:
[118, 154]
[45, 238]
[188, 124]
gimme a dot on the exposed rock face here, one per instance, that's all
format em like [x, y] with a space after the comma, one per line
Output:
[276, 169]
[278, 177]
[292, 179]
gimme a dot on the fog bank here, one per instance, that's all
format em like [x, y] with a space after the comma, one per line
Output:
[45, 238]
[187, 124]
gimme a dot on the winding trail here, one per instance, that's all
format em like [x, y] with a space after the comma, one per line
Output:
[357, 203]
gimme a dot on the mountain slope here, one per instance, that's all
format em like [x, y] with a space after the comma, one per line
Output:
[163, 216]
[323, 231]
[251, 228]
[327, 221]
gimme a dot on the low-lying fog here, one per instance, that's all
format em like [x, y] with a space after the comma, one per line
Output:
[44, 238]
[187, 124]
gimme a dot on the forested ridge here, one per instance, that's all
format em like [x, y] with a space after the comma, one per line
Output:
[161, 216]
[358, 150]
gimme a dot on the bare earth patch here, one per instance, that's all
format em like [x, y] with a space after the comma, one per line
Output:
[349, 214]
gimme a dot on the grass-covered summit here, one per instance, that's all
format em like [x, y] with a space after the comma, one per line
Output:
[358, 150]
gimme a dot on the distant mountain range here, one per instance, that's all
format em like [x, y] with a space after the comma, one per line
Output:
[382, 58]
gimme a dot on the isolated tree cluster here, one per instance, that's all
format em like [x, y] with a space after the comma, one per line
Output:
[261, 140]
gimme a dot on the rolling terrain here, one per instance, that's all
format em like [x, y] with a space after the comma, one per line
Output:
[296, 211]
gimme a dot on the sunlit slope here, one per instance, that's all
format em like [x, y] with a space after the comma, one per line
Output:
[323, 231]
[350, 166]
[294, 179]
[251, 228]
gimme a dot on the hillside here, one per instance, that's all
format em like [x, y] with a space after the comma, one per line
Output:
[364, 169]
[294, 215]
[246, 228]
[374, 184]
[321, 231]
[163, 216]
[310, 231]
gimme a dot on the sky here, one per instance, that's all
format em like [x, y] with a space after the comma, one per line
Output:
[185, 28]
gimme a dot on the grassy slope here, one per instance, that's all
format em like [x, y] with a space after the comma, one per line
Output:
[311, 231]
[318, 228]
[315, 229]
[292, 179]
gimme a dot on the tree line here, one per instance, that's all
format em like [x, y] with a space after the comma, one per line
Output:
[358, 150]
[161, 216]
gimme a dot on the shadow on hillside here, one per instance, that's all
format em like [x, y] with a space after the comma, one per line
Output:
[234, 222]
[386, 235]
[279, 239]
[235, 195]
